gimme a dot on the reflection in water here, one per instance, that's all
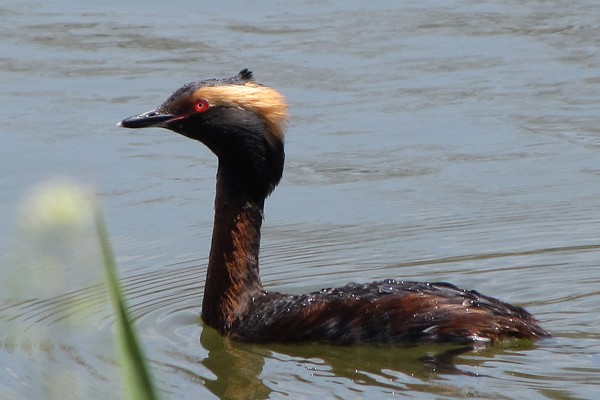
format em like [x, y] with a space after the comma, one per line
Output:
[242, 371]
[236, 367]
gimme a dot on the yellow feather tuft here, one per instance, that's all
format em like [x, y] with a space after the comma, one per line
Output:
[264, 101]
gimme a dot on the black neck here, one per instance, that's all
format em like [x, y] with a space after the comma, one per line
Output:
[233, 275]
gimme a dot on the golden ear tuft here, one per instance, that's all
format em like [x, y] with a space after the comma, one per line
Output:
[264, 101]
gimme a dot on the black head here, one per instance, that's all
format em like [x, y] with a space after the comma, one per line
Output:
[241, 121]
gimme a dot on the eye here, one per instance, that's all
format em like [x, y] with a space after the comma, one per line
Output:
[201, 106]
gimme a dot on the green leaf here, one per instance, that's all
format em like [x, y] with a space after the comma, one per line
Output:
[137, 381]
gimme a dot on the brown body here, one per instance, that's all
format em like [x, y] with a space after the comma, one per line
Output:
[242, 122]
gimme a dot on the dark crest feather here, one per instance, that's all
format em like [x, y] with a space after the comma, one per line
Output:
[245, 75]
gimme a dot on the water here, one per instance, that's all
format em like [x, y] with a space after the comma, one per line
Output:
[450, 141]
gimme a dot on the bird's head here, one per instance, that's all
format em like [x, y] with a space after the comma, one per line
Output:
[241, 121]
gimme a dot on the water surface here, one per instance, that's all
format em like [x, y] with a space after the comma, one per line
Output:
[449, 141]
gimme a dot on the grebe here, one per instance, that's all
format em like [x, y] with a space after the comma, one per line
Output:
[243, 123]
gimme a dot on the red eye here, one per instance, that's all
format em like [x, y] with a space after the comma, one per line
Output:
[201, 106]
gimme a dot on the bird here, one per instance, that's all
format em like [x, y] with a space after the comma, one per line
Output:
[243, 123]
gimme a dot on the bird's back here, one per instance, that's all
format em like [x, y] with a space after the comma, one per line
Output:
[386, 311]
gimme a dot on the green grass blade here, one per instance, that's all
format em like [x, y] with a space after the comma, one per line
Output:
[137, 382]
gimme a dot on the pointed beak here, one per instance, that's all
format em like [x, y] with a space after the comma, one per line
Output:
[148, 119]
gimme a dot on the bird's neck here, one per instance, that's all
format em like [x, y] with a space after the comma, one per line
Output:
[232, 277]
